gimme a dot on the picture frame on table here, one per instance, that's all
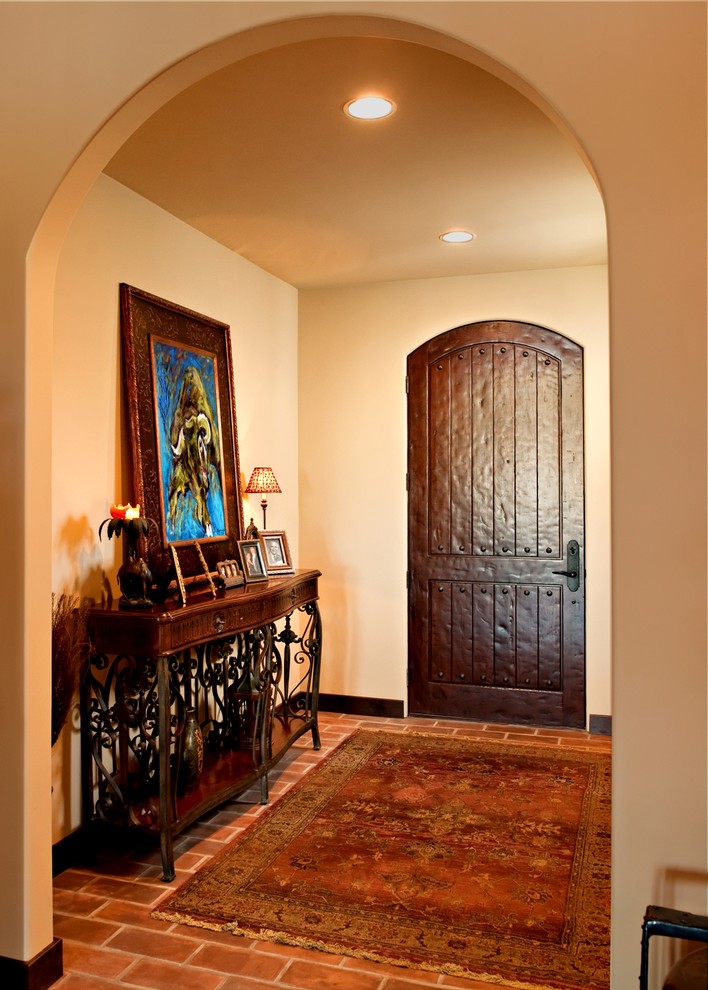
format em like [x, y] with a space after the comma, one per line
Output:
[252, 560]
[179, 392]
[276, 552]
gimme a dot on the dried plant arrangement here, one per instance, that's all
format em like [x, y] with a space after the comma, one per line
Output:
[69, 644]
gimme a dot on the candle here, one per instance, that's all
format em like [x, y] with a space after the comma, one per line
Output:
[125, 511]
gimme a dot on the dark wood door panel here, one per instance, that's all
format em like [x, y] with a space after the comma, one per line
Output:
[494, 431]
[495, 494]
[512, 631]
[492, 704]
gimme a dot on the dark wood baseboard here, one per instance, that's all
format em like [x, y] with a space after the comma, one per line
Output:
[346, 705]
[38, 974]
[600, 725]
[72, 849]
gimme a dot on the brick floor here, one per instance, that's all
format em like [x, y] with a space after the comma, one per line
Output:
[110, 941]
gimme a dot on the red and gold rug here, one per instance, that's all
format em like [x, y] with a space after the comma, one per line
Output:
[486, 860]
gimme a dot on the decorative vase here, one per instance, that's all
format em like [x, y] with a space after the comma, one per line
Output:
[191, 761]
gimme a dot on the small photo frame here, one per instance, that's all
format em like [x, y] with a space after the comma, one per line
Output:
[254, 567]
[276, 552]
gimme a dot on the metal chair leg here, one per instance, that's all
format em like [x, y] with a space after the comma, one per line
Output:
[674, 924]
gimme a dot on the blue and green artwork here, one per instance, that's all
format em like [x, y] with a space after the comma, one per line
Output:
[189, 442]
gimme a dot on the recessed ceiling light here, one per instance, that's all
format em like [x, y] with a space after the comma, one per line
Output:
[370, 108]
[457, 236]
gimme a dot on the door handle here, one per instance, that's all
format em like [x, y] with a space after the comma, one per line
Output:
[572, 572]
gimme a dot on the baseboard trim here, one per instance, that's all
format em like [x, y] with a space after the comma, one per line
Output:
[38, 974]
[73, 848]
[344, 704]
[600, 725]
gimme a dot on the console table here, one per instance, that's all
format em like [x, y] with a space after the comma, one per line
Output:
[247, 661]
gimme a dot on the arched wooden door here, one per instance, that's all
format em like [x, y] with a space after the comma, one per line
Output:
[496, 526]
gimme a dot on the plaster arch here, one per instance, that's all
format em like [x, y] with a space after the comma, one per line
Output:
[46, 244]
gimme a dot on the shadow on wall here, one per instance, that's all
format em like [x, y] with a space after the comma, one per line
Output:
[81, 561]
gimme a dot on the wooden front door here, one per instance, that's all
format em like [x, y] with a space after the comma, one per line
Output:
[495, 526]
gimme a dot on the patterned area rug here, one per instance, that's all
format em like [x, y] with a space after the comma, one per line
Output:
[486, 860]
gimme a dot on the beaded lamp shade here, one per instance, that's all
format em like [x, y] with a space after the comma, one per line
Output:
[262, 482]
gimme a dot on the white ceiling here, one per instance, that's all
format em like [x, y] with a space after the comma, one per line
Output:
[260, 157]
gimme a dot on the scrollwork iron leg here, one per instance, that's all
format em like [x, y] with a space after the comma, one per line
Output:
[314, 648]
[166, 846]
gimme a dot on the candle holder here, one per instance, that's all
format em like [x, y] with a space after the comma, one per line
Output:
[134, 576]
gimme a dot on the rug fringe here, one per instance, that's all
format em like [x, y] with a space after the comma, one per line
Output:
[268, 935]
[180, 919]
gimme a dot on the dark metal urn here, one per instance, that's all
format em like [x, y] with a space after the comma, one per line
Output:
[134, 579]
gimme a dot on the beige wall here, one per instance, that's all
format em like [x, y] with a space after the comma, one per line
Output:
[353, 454]
[628, 79]
[119, 237]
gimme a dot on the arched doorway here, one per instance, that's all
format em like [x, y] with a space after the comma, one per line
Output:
[97, 155]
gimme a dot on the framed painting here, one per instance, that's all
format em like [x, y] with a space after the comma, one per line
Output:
[276, 551]
[182, 424]
[254, 567]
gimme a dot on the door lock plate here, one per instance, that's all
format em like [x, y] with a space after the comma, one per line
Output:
[572, 572]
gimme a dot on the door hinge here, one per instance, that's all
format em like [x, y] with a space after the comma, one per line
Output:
[408, 384]
[408, 481]
[408, 579]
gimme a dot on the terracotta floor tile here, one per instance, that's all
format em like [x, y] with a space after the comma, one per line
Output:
[246, 983]
[158, 945]
[79, 981]
[229, 818]
[187, 862]
[124, 891]
[476, 733]
[239, 961]
[126, 867]
[71, 879]
[316, 976]
[418, 976]
[208, 830]
[165, 976]
[494, 732]
[98, 962]
[87, 930]
[124, 913]
[198, 847]
[71, 902]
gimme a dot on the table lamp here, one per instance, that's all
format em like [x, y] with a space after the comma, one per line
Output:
[262, 482]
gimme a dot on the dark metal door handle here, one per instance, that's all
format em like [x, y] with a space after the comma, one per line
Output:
[572, 563]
